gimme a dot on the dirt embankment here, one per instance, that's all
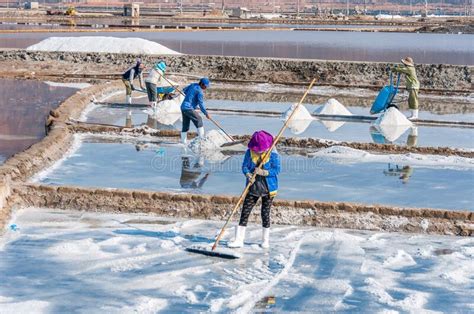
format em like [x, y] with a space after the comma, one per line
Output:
[308, 213]
[433, 77]
[285, 142]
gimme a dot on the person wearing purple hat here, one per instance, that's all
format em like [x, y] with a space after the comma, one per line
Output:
[265, 185]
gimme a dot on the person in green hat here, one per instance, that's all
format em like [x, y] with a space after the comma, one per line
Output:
[412, 84]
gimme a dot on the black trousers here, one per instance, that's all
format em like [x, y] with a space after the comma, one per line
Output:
[188, 116]
[249, 203]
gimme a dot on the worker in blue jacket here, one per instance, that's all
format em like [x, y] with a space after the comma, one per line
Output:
[194, 98]
[264, 185]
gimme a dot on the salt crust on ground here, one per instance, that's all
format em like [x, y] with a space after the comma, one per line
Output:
[349, 155]
[102, 44]
[96, 262]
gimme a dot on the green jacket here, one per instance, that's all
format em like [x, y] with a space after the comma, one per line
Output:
[410, 72]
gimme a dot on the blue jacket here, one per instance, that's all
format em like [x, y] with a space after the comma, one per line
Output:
[272, 164]
[194, 98]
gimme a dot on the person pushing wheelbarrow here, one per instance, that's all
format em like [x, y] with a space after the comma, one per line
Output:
[412, 84]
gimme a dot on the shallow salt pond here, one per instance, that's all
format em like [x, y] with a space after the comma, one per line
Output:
[24, 106]
[68, 261]
[434, 136]
[335, 174]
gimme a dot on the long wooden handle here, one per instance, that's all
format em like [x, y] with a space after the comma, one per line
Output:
[220, 127]
[254, 175]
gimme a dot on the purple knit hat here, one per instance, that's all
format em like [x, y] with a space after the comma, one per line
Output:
[261, 141]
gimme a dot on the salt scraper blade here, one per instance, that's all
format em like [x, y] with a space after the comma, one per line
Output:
[219, 252]
[232, 143]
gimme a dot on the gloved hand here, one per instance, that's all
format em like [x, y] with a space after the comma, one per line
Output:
[249, 177]
[261, 172]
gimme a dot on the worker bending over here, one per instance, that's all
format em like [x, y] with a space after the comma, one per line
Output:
[194, 97]
[131, 74]
[412, 85]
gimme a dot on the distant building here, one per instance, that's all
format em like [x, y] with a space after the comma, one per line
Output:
[241, 12]
[131, 9]
[31, 5]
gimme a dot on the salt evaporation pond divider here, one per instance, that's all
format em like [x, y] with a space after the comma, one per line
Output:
[428, 136]
[142, 165]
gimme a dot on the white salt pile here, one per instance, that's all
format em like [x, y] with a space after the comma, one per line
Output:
[299, 126]
[332, 107]
[209, 146]
[392, 124]
[300, 120]
[167, 112]
[102, 44]
[301, 113]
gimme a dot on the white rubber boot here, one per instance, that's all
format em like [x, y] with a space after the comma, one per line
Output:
[128, 99]
[265, 238]
[239, 237]
[184, 138]
[414, 131]
[128, 119]
[414, 114]
[201, 132]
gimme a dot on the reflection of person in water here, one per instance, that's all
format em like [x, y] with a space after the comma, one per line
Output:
[191, 175]
[404, 173]
[412, 139]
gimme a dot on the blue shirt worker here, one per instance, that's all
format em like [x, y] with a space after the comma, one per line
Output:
[194, 98]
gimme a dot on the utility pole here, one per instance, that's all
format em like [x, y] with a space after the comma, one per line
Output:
[181, 7]
[223, 6]
[347, 8]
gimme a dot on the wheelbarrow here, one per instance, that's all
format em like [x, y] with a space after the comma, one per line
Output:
[384, 99]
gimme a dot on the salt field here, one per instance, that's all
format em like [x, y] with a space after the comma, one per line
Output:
[329, 175]
[137, 263]
[290, 198]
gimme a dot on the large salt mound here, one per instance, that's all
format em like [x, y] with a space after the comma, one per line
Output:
[332, 107]
[300, 120]
[301, 113]
[392, 124]
[102, 44]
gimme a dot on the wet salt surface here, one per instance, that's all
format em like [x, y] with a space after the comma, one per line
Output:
[69, 261]
[24, 106]
[336, 174]
[331, 45]
[349, 131]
